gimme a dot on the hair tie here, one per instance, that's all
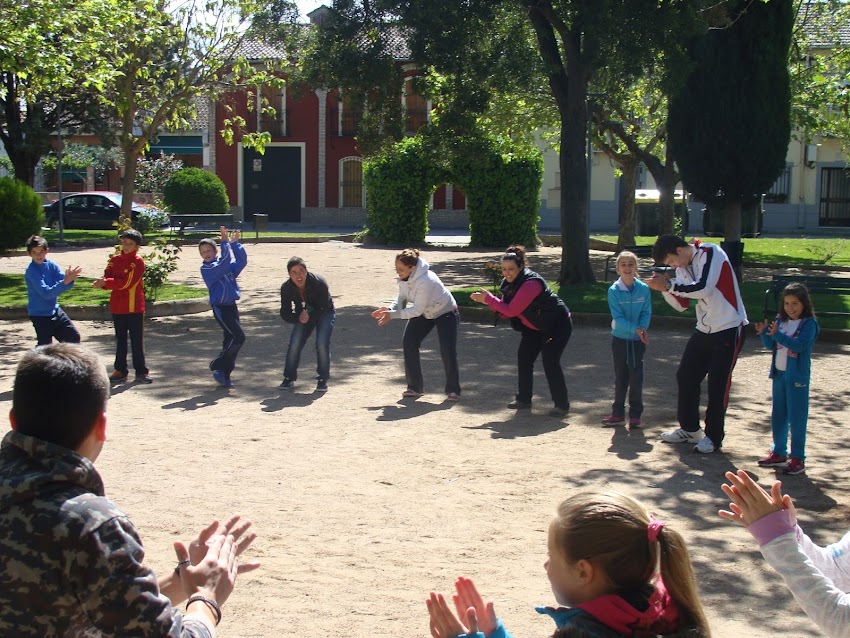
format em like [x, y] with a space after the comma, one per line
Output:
[654, 529]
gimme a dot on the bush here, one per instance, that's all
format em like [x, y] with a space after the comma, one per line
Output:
[399, 182]
[151, 219]
[194, 191]
[21, 213]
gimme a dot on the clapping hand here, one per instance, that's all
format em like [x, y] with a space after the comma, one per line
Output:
[480, 296]
[382, 314]
[71, 273]
[237, 527]
[751, 502]
[478, 614]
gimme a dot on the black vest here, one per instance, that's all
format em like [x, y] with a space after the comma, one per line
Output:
[545, 309]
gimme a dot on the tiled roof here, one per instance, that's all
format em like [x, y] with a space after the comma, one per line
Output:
[256, 50]
[821, 27]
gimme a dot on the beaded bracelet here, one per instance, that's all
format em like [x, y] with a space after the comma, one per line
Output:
[209, 602]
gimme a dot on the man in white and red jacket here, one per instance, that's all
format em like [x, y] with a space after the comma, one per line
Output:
[702, 272]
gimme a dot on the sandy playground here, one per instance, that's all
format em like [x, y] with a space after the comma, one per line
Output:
[364, 502]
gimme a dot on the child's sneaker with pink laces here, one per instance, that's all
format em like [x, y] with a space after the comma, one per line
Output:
[773, 460]
[794, 466]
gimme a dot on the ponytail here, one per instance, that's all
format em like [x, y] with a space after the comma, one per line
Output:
[677, 572]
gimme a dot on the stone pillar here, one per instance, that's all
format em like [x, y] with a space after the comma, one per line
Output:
[322, 94]
[449, 197]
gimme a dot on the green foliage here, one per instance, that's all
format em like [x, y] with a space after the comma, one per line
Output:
[152, 173]
[399, 181]
[501, 182]
[21, 213]
[160, 262]
[195, 191]
[729, 126]
[150, 220]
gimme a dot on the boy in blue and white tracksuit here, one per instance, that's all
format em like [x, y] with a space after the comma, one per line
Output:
[630, 303]
[219, 274]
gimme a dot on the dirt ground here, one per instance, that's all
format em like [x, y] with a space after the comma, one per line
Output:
[364, 502]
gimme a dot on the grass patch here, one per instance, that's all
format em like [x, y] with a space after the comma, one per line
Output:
[13, 292]
[792, 251]
[593, 298]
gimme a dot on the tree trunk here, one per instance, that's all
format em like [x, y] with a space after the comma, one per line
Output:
[128, 182]
[666, 184]
[732, 234]
[627, 199]
[23, 134]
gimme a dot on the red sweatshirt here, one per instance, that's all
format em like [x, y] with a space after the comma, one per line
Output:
[123, 276]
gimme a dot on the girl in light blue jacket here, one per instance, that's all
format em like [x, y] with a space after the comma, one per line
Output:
[631, 309]
[790, 336]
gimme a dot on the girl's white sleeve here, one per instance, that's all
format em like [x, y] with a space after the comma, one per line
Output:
[833, 561]
[816, 593]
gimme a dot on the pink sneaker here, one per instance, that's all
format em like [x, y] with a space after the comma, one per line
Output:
[773, 460]
[634, 422]
[794, 466]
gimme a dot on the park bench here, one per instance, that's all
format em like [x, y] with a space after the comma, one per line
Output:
[201, 222]
[818, 285]
[642, 252]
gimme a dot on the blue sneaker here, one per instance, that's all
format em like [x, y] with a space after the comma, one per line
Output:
[219, 377]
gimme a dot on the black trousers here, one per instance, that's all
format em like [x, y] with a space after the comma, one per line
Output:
[628, 376]
[228, 318]
[713, 354]
[134, 326]
[59, 326]
[552, 346]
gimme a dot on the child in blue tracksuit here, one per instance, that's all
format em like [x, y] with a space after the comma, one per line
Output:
[45, 282]
[220, 273]
[631, 309]
[791, 337]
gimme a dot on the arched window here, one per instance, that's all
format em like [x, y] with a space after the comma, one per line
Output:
[351, 191]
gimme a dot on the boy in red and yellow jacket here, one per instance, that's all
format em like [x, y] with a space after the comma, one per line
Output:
[123, 276]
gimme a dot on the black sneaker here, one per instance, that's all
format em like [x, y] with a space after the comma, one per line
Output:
[516, 404]
[321, 385]
[288, 384]
[144, 378]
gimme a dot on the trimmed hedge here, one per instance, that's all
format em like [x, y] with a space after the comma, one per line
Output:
[501, 181]
[192, 191]
[399, 181]
[21, 213]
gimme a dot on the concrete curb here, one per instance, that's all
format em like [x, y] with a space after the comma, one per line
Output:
[101, 313]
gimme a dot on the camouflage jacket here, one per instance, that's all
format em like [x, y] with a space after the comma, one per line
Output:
[70, 560]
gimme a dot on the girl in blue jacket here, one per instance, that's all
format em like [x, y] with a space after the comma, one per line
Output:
[791, 337]
[631, 308]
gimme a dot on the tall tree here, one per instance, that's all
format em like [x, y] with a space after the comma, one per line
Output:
[730, 125]
[476, 45]
[52, 52]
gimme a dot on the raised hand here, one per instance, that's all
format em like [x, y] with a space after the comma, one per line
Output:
[751, 502]
[468, 599]
[443, 622]
[774, 327]
[71, 273]
[237, 527]
[223, 231]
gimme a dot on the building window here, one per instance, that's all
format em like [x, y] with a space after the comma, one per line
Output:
[351, 191]
[834, 197]
[275, 98]
[350, 115]
[415, 109]
[780, 192]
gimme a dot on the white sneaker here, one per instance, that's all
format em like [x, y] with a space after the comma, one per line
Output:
[681, 436]
[706, 446]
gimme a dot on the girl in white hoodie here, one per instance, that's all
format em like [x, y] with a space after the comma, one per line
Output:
[425, 302]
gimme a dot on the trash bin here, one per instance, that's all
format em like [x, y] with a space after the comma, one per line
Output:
[752, 219]
[261, 223]
[647, 214]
